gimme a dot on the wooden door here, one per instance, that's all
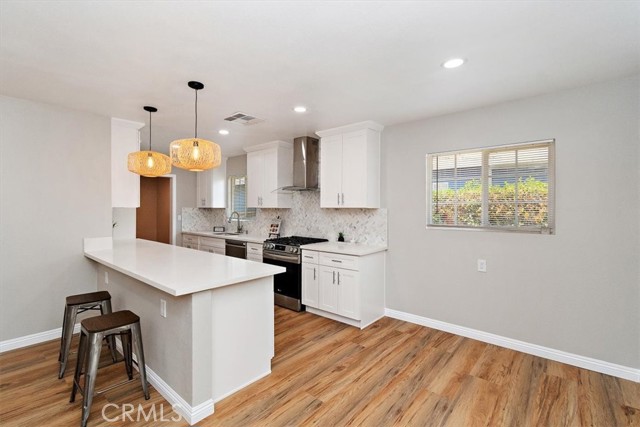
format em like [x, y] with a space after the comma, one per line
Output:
[153, 217]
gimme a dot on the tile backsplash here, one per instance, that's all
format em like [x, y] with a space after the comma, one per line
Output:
[305, 218]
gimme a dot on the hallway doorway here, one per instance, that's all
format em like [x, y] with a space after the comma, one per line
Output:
[154, 216]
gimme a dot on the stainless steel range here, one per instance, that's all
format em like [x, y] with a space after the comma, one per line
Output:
[285, 252]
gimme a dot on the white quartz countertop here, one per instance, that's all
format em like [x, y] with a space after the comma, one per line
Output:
[345, 248]
[251, 238]
[174, 269]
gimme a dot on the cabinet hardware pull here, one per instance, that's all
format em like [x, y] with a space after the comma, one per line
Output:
[334, 277]
[338, 277]
[336, 260]
[342, 199]
[307, 256]
[338, 198]
[314, 273]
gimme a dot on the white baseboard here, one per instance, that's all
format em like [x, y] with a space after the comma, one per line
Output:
[259, 377]
[33, 339]
[192, 414]
[596, 365]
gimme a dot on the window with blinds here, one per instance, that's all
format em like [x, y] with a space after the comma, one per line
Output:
[238, 197]
[508, 188]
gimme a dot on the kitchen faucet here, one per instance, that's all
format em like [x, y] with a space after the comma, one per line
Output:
[239, 229]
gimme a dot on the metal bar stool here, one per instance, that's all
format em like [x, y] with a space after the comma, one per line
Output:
[76, 304]
[93, 331]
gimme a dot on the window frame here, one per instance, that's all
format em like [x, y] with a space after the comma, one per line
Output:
[249, 213]
[485, 152]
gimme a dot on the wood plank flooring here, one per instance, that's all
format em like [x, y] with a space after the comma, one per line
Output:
[328, 374]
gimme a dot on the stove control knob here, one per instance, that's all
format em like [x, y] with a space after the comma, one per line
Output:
[296, 250]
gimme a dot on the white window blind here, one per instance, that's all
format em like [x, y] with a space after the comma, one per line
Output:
[507, 188]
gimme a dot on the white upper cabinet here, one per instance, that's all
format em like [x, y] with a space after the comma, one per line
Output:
[350, 166]
[212, 187]
[269, 167]
[125, 185]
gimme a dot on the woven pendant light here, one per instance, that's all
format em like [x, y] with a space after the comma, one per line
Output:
[195, 154]
[149, 163]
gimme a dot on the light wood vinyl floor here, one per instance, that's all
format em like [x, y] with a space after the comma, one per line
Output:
[328, 374]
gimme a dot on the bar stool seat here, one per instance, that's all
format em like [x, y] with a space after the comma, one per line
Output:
[93, 331]
[76, 304]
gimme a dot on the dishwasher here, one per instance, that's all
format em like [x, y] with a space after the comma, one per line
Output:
[236, 248]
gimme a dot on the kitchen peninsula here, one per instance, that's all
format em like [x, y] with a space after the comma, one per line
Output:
[207, 319]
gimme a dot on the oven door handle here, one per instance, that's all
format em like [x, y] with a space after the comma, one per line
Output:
[285, 258]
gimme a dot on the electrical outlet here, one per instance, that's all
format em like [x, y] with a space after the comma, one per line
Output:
[163, 308]
[482, 265]
[106, 277]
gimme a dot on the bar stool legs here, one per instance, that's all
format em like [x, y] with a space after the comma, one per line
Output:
[137, 343]
[77, 304]
[94, 330]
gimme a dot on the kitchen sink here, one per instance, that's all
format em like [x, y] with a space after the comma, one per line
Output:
[224, 233]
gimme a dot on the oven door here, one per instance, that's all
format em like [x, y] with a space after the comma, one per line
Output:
[288, 285]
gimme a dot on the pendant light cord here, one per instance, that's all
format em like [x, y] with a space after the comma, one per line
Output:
[196, 131]
[149, 130]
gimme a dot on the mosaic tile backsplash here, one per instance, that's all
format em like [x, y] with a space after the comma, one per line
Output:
[305, 218]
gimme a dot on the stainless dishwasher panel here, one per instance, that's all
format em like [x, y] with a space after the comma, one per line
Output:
[236, 248]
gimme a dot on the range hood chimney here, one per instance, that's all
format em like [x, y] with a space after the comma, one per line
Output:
[306, 159]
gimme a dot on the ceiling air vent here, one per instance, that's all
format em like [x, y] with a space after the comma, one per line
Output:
[244, 119]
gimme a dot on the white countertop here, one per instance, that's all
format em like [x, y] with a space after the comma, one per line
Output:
[251, 238]
[345, 248]
[174, 269]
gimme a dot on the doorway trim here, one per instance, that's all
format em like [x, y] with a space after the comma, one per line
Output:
[173, 222]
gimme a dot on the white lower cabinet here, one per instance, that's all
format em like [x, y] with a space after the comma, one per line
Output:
[190, 241]
[254, 252]
[206, 244]
[212, 245]
[352, 293]
[310, 282]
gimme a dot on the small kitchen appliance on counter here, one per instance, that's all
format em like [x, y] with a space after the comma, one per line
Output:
[286, 252]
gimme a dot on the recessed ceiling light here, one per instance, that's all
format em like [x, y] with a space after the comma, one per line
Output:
[223, 132]
[300, 109]
[453, 63]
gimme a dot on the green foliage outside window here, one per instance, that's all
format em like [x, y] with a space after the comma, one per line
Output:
[531, 206]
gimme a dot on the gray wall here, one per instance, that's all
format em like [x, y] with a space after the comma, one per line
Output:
[576, 291]
[185, 198]
[237, 166]
[55, 189]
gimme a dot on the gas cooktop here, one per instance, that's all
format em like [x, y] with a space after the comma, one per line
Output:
[295, 240]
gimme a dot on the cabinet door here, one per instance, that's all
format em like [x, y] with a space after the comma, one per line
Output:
[328, 294]
[348, 293]
[269, 179]
[125, 185]
[217, 186]
[331, 171]
[310, 289]
[203, 185]
[354, 171]
[255, 167]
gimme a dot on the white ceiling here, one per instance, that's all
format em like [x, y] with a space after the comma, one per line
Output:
[345, 61]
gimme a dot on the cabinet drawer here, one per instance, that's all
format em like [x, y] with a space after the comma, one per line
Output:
[189, 238]
[254, 249]
[213, 249]
[309, 256]
[212, 241]
[340, 261]
[254, 257]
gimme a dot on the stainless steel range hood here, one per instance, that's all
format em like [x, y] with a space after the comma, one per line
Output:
[306, 158]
